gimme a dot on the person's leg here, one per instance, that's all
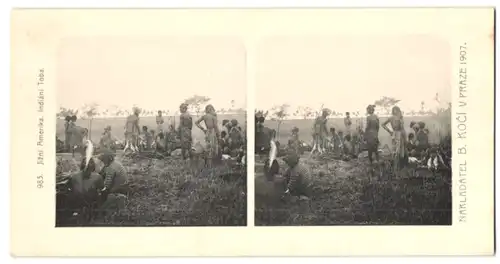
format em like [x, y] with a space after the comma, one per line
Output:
[370, 153]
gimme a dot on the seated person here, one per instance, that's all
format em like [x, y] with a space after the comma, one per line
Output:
[294, 143]
[411, 144]
[146, 138]
[107, 141]
[348, 147]
[115, 176]
[161, 143]
[422, 139]
[224, 145]
[297, 176]
[85, 185]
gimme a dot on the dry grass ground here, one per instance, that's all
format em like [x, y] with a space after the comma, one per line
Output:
[166, 192]
[351, 193]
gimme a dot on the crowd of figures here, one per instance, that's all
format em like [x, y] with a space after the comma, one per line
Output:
[102, 181]
[410, 148]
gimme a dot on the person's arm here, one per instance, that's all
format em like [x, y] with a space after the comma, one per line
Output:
[198, 124]
[216, 126]
[384, 126]
[108, 178]
[136, 123]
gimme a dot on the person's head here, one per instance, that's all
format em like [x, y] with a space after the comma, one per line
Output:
[370, 109]
[295, 131]
[421, 125]
[209, 109]
[159, 113]
[226, 123]
[67, 118]
[87, 169]
[348, 137]
[107, 128]
[396, 111]
[411, 136]
[223, 134]
[325, 112]
[341, 134]
[183, 108]
[234, 122]
[291, 159]
[73, 118]
[107, 157]
[136, 111]
[347, 114]
[426, 131]
[145, 128]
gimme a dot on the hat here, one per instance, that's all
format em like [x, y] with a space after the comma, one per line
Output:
[295, 130]
[234, 122]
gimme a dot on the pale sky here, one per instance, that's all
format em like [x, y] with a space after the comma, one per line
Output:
[347, 73]
[151, 72]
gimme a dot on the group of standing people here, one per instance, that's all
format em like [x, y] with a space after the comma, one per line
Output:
[349, 143]
[337, 141]
[217, 141]
[74, 135]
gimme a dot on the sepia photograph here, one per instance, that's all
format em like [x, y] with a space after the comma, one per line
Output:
[151, 131]
[362, 123]
[358, 132]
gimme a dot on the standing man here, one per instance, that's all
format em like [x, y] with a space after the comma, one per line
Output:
[132, 131]
[185, 128]
[347, 123]
[159, 122]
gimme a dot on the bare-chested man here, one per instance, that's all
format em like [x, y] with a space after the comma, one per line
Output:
[347, 123]
[159, 122]
[185, 128]
[132, 131]
[211, 131]
[320, 131]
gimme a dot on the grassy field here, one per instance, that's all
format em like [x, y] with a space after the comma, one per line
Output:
[305, 126]
[167, 192]
[351, 192]
[117, 124]
[348, 193]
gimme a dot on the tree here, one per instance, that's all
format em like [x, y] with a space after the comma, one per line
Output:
[63, 112]
[386, 103]
[305, 112]
[89, 112]
[278, 114]
[196, 103]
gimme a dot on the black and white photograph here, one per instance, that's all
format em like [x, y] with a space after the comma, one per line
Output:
[151, 131]
[358, 134]
[369, 132]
